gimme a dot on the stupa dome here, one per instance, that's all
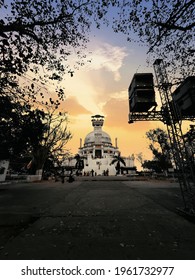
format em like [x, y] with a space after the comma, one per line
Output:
[97, 137]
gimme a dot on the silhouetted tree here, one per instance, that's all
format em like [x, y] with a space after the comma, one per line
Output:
[53, 141]
[118, 160]
[166, 27]
[31, 133]
[153, 165]
[160, 148]
[39, 36]
[20, 126]
[79, 161]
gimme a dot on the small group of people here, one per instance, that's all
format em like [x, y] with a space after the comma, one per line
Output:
[90, 173]
[93, 173]
[106, 172]
[71, 177]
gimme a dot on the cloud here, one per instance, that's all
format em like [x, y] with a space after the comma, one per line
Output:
[116, 111]
[96, 81]
[108, 57]
[72, 106]
[121, 95]
[131, 137]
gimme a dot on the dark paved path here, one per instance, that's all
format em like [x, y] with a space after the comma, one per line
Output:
[94, 220]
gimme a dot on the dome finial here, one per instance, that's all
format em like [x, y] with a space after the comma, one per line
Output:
[97, 120]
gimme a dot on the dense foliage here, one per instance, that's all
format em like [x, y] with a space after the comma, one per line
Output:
[20, 127]
[160, 147]
[27, 134]
[39, 36]
[167, 27]
[54, 139]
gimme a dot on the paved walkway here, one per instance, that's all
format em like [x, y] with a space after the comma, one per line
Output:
[94, 220]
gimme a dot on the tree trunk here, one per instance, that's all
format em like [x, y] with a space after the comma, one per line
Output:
[39, 158]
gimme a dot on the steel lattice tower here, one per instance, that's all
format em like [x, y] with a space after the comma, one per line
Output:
[172, 119]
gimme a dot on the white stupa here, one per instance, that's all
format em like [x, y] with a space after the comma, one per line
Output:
[98, 152]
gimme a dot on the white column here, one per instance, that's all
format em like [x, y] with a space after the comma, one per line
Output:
[102, 151]
[116, 142]
[80, 142]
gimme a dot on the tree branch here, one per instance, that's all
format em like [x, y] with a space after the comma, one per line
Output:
[20, 27]
[174, 27]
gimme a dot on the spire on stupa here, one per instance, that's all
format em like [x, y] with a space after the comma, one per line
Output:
[97, 120]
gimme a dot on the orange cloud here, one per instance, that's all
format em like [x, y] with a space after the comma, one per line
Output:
[72, 106]
[131, 137]
[117, 111]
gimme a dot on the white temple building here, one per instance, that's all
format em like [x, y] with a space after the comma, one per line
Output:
[98, 152]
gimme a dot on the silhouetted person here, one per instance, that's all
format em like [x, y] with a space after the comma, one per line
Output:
[71, 178]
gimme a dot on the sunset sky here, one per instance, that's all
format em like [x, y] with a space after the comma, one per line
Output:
[100, 87]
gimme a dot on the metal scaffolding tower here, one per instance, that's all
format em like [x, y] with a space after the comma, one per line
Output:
[153, 115]
[170, 115]
[173, 121]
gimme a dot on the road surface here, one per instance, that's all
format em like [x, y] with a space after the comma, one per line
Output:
[96, 219]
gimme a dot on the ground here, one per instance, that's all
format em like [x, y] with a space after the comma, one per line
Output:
[111, 218]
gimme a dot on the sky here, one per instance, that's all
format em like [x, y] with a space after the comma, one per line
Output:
[101, 87]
